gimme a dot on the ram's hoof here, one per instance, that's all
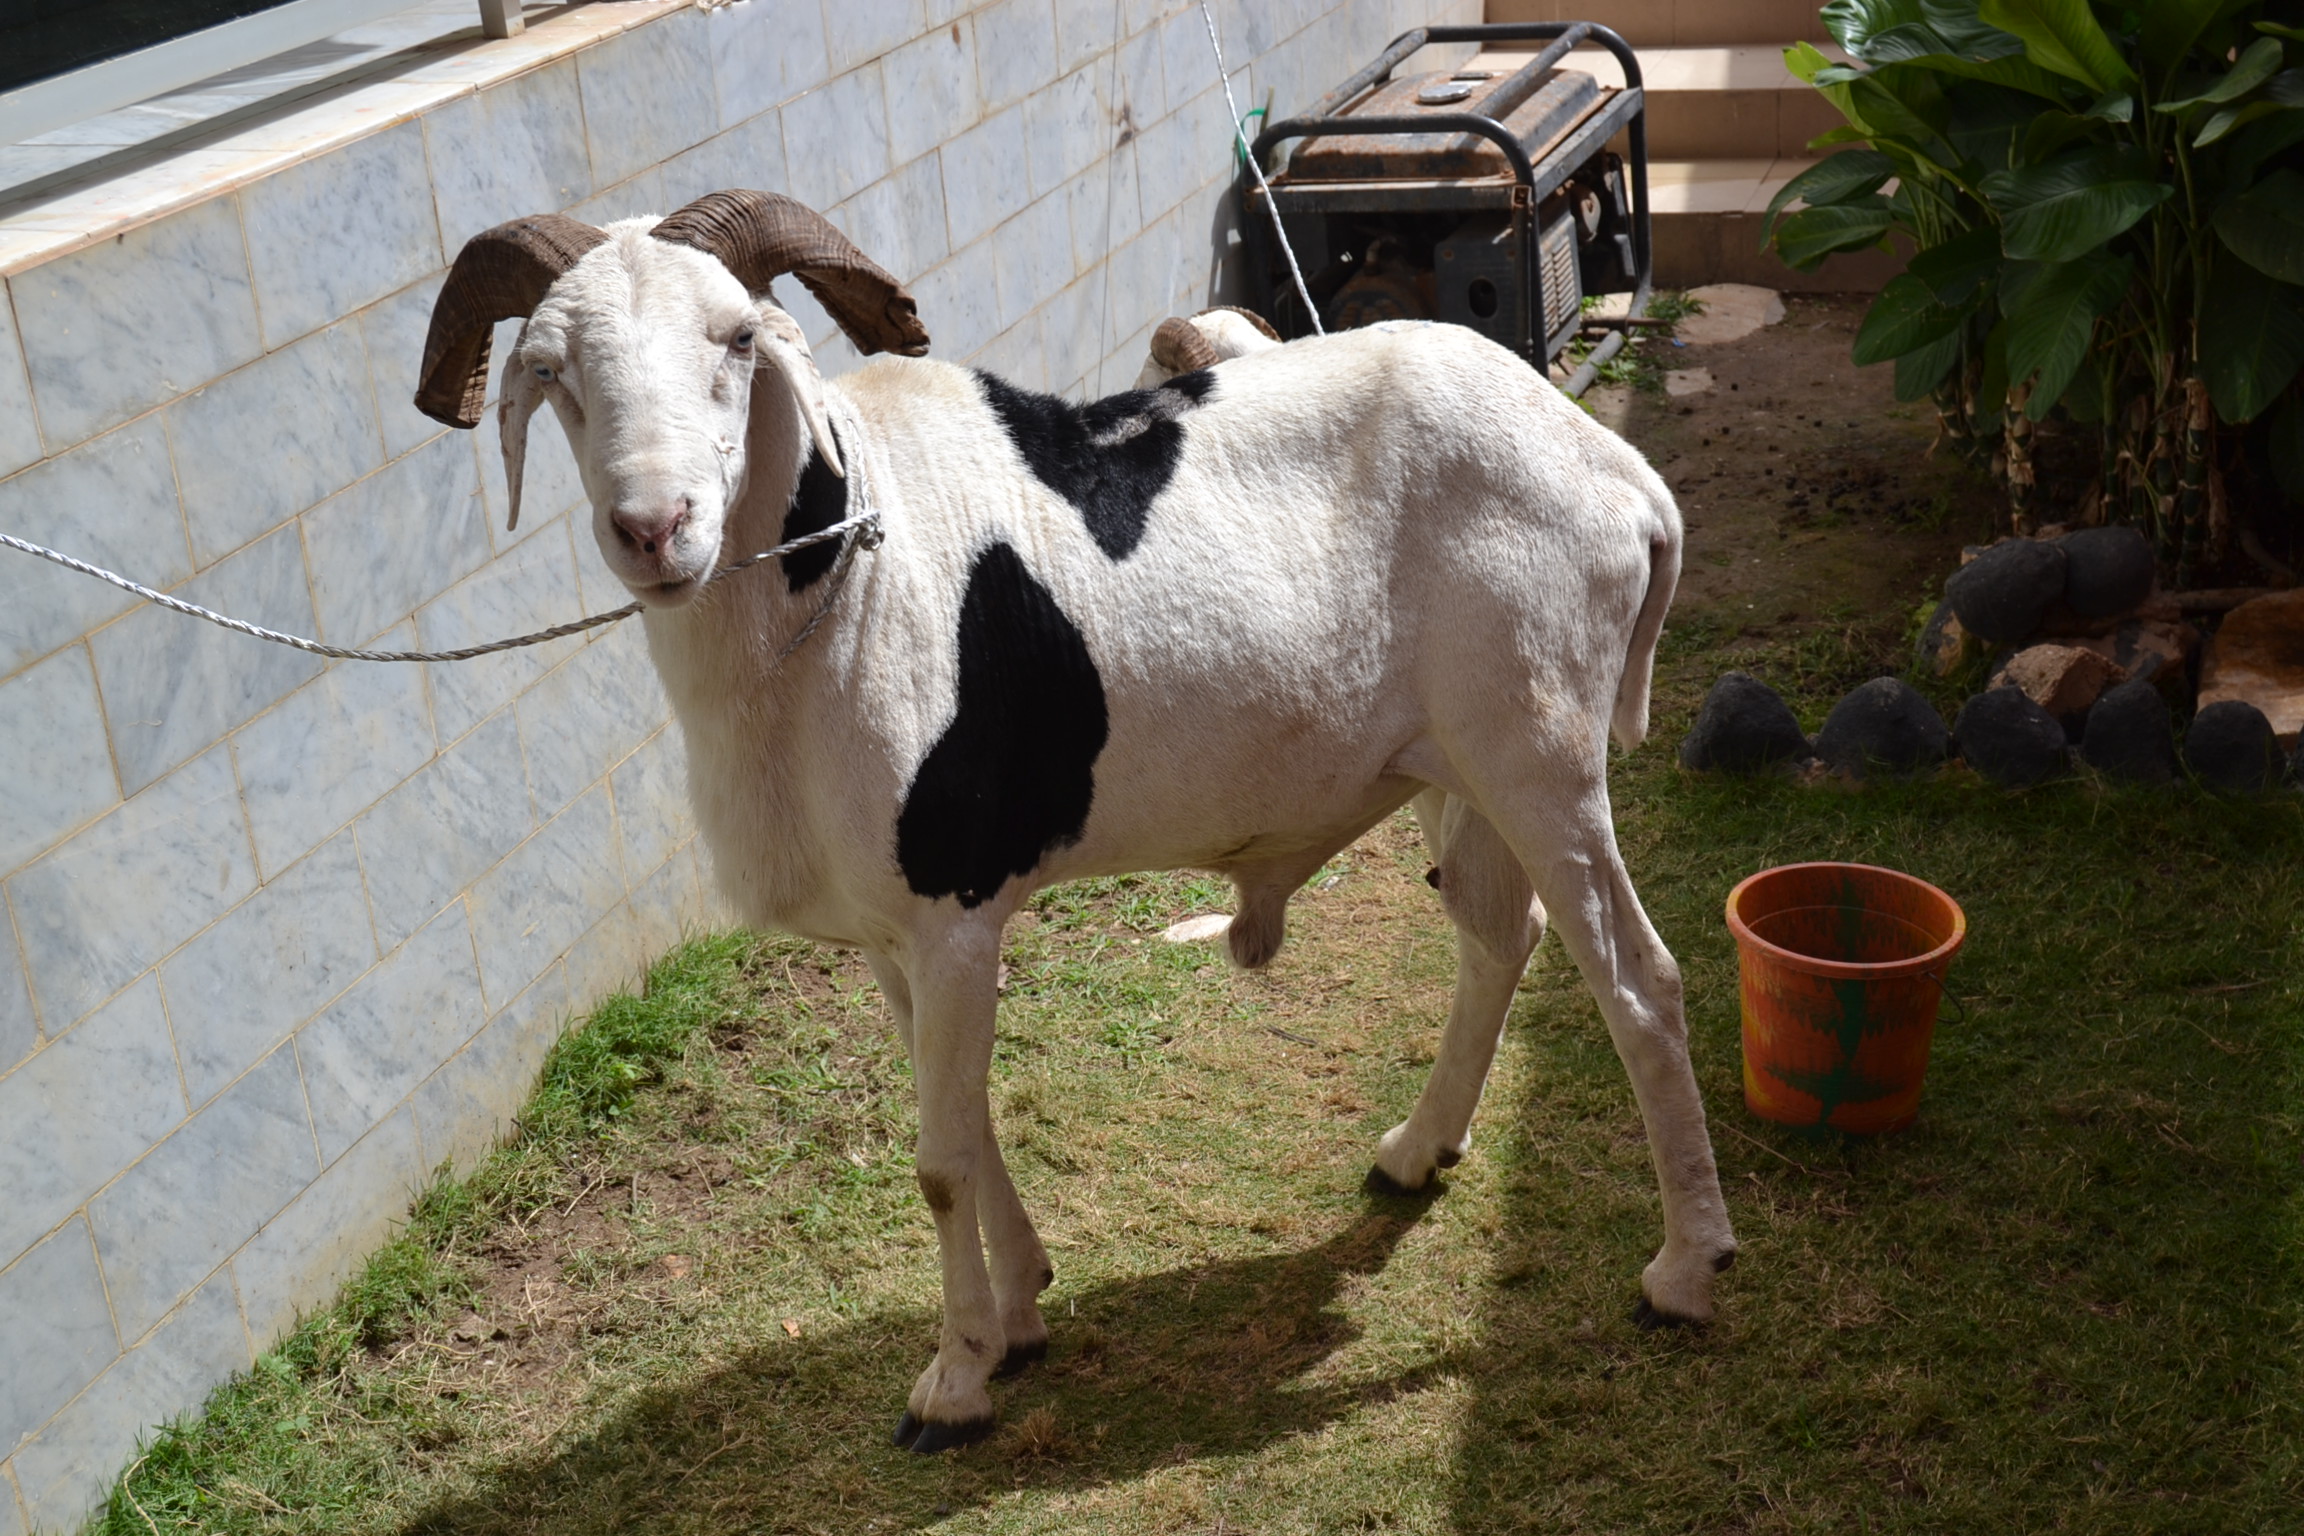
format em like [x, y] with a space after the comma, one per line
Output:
[1651, 1320]
[1379, 1182]
[1018, 1357]
[926, 1439]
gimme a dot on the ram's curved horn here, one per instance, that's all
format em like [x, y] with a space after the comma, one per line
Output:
[1263, 325]
[500, 273]
[764, 235]
[1178, 346]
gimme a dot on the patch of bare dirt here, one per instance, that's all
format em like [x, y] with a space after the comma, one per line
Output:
[1808, 490]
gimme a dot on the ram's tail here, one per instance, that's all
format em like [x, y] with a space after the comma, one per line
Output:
[1631, 718]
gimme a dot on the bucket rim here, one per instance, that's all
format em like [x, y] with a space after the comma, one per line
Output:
[1848, 970]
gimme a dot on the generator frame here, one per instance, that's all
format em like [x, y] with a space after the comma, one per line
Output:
[1582, 149]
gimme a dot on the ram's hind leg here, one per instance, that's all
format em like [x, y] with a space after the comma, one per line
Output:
[1488, 897]
[1559, 825]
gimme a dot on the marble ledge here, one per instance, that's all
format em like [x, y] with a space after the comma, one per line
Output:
[300, 129]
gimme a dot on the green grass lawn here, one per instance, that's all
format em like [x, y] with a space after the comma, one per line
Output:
[692, 1295]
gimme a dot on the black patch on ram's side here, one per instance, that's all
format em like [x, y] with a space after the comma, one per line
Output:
[1109, 459]
[1013, 775]
[820, 501]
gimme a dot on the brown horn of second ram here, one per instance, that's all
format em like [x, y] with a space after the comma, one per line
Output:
[501, 273]
[1178, 346]
[764, 235]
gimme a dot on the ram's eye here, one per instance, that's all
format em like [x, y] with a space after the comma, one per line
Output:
[545, 374]
[743, 341]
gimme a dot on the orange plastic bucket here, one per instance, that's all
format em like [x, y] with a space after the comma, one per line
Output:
[1842, 967]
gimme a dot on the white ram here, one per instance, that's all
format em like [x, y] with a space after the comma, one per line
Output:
[1228, 624]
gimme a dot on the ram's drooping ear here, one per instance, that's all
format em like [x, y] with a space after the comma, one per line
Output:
[516, 400]
[784, 347]
[500, 273]
[763, 235]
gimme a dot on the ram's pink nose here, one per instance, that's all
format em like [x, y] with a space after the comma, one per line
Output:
[651, 530]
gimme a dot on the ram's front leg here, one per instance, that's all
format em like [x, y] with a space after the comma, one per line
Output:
[953, 995]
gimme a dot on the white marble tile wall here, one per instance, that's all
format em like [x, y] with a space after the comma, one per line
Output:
[277, 938]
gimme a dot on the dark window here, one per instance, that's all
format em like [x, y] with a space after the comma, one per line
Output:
[41, 38]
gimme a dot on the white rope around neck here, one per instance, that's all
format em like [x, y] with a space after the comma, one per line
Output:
[865, 525]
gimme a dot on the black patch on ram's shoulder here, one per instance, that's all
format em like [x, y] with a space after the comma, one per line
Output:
[820, 500]
[1013, 775]
[1109, 459]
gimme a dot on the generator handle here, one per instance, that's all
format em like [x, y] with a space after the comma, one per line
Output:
[1515, 153]
[1489, 32]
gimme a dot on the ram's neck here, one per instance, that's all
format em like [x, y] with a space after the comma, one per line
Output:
[737, 708]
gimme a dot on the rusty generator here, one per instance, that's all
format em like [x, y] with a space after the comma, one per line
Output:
[1488, 196]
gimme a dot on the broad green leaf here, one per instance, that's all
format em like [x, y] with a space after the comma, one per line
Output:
[2293, 34]
[2071, 205]
[1805, 238]
[1842, 135]
[2063, 36]
[2286, 88]
[2229, 118]
[1967, 33]
[2113, 107]
[2287, 446]
[2052, 319]
[2019, 73]
[2259, 142]
[1904, 318]
[2259, 64]
[1851, 173]
[2050, 133]
[1955, 269]
[1901, 101]
[2171, 26]
[1855, 23]
[1919, 372]
[2251, 340]
[1805, 61]
[2264, 226]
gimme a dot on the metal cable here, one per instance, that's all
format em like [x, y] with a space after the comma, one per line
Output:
[1248, 152]
[865, 524]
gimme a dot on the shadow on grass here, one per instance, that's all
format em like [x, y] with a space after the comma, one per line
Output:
[1198, 1361]
[2067, 1299]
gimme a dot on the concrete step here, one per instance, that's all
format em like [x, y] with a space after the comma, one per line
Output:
[1729, 102]
[1679, 23]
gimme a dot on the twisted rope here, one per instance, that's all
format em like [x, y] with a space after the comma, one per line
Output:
[1240, 132]
[865, 524]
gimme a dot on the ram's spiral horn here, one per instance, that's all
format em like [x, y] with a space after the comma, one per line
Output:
[763, 235]
[500, 273]
[1179, 347]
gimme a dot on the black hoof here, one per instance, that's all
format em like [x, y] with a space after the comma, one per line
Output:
[1379, 1182]
[1018, 1357]
[1724, 1262]
[1447, 1158]
[907, 1431]
[935, 1437]
[1650, 1320]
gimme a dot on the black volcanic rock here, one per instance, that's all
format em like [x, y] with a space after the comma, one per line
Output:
[2106, 571]
[2230, 748]
[1883, 727]
[2002, 593]
[1742, 728]
[2128, 737]
[2009, 739]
